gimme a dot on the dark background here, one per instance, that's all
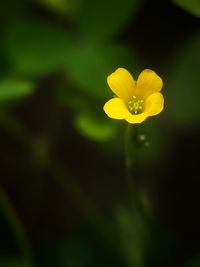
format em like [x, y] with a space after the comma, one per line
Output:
[62, 159]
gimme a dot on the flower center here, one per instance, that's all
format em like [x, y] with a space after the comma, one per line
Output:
[135, 105]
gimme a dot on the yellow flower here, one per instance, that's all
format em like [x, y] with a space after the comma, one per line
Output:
[136, 100]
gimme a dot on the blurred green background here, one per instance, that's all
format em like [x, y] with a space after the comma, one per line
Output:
[62, 158]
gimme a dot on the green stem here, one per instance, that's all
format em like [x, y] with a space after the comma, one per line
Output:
[139, 209]
[129, 159]
[131, 137]
[17, 227]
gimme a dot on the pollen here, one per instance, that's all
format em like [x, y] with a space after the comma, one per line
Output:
[135, 105]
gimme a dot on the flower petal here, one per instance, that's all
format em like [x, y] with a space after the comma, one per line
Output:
[131, 118]
[154, 104]
[148, 83]
[121, 83]
[116, 109]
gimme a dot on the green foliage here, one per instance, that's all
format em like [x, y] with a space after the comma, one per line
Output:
[35, 47]
[95, 128]
[58, 6]
[182, 85]
[192, 6]
[11, 89]
[90, 64]
[100, 20]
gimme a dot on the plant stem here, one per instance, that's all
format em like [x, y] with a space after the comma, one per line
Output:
[131, 134]
[17, 227]
[131, 137]
[139, 210]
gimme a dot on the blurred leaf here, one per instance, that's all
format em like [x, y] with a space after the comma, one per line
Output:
[101, 19]
[89, 65]
[95, 128]
[35, 48]
[192, 6]
[10, 89]
[60, 6]
[194, 262]
[182, 92]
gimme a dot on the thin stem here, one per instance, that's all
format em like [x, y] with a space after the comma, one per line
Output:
[139, 211]
[17, 227]
[131, 147]
[130, 159]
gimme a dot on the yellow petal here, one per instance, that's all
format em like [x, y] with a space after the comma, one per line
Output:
[154, 104]
[121, 83]
[131, 118]
[116, 109]
[148, 83]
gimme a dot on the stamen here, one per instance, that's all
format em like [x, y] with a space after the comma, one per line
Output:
[135, 105]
